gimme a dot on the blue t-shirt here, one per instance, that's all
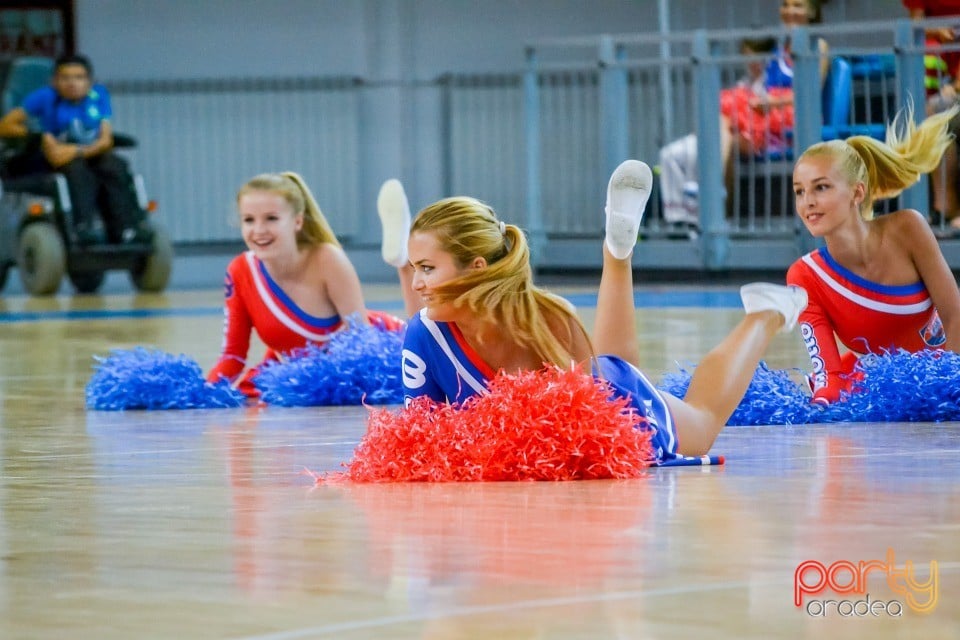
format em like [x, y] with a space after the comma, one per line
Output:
[74, 122]
[439, 363]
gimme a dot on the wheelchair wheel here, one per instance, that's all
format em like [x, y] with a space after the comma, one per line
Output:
[86, 281]
[41, 258]
[152, 272]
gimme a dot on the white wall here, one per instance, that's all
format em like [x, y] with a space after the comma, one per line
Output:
[243, 38]
[211, 38]
[390, 43]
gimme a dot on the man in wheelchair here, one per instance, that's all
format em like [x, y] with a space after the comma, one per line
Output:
[66, 128]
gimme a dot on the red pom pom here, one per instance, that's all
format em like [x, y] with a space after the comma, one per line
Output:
[550, 424]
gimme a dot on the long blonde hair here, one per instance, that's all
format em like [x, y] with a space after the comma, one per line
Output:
[503, 293]
[887, 168]
[291, 187]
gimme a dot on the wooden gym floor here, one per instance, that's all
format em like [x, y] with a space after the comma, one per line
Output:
[204, 524]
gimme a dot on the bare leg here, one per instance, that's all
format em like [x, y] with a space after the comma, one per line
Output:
[951, 206]
[943, 182]
[627, 194]
[726, 138]
[614, 330]
[411, 300]
[722, 377]
[719, 382]
[394, 212]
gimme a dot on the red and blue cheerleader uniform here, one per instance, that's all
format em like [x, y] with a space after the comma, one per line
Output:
[864, 316]
[254, 301]
[439, 363]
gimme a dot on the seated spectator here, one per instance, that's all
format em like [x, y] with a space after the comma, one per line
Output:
[678, 160]
[72, 116]
[943, 84]
[756, 116]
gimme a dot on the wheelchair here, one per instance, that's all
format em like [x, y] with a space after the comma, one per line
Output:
[37, 231]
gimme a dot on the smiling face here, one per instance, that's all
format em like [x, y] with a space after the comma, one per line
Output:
[825, 199]
[269, 224]
[432, 266]
[796, 12]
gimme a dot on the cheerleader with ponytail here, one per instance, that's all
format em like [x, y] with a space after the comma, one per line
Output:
[880, 283]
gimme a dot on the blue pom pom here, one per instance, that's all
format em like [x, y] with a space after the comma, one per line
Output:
[896, 387]
[360, 364]
[772, 398]
[148, 379]
[900, 386]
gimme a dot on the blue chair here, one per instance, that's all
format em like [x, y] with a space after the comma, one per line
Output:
[837, 93]
[835, 105]
[874, 66]
[837, 97]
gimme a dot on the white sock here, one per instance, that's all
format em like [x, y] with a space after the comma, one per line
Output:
[788, 301]
[394, 212]
[627, 195]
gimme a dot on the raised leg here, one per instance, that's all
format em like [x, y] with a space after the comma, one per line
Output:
[627, 195]
[722, 377]
[411, 300]
[394, 212]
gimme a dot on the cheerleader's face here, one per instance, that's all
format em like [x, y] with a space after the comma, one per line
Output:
[825, 199]
[269, 224]
[432, 267]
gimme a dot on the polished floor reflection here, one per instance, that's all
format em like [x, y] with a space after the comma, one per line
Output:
[208, 524]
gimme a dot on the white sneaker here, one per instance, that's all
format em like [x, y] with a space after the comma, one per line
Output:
[627, 195]
[394, 212]
[763, 296]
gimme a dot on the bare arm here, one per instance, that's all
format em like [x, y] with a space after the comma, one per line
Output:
[14, 123]
[102, 144]
[342, 282]
[60, 153]
[824, 49]
[942, 34]
[581, 348]
[935, 274]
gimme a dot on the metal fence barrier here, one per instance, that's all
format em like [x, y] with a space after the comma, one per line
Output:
[537, 144]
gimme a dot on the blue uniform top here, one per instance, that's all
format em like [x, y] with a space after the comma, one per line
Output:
[438, 362]
[779, 71]
[74, 122]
